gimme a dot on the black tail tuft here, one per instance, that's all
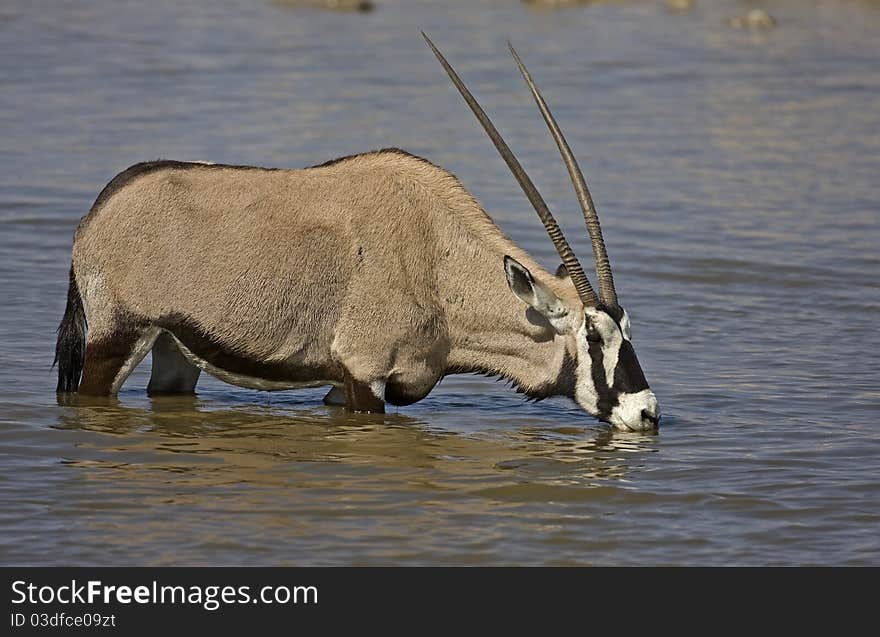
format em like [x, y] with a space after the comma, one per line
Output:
[70, 349]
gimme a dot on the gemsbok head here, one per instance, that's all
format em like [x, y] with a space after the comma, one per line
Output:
[610, 382]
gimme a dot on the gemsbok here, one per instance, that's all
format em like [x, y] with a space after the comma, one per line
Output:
[377, 274]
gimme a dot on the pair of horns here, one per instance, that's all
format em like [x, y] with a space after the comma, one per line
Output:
[575, 271]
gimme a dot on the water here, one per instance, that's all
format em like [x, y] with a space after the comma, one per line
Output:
[736, 174]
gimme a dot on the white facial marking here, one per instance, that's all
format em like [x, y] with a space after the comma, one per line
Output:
[625, 326]
[585, 391]
[627, 415]
[611, 341]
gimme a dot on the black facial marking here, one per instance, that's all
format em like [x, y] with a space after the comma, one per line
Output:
[567, 381]
[607, 396]
[593, 335]
[614, 311]
[628, 375]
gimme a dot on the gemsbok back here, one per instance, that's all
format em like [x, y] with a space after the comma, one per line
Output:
[376, 274]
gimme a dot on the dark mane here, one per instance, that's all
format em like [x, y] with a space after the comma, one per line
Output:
[381, 151]
[133, 173]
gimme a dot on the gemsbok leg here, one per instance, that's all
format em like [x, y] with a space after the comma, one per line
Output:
[172, 373]
[336, 397]
[111, 356]
[359, 396]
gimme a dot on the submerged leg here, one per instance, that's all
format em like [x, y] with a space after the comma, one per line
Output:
[336, 396]
[172, 373]
[360, 397]
[110, 359]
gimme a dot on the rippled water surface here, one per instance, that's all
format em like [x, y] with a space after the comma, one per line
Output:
[737, 174]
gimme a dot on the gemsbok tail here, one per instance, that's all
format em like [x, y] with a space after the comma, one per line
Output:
[70, 349]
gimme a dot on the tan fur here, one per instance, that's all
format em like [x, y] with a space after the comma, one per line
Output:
[380, 265]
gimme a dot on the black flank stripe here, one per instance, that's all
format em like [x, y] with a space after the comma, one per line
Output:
[210, 349]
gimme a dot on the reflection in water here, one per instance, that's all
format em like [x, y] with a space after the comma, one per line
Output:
[322, 486]
[256, 445]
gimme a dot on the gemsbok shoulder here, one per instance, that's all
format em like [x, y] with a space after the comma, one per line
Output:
[376, 274]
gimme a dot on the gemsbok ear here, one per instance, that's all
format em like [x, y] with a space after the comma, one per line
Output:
[562, 272]
[534, 294]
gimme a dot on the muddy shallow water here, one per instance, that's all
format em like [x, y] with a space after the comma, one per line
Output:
[736, 174]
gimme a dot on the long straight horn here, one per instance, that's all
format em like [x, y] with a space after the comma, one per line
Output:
[603, 265]
[581, 283]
